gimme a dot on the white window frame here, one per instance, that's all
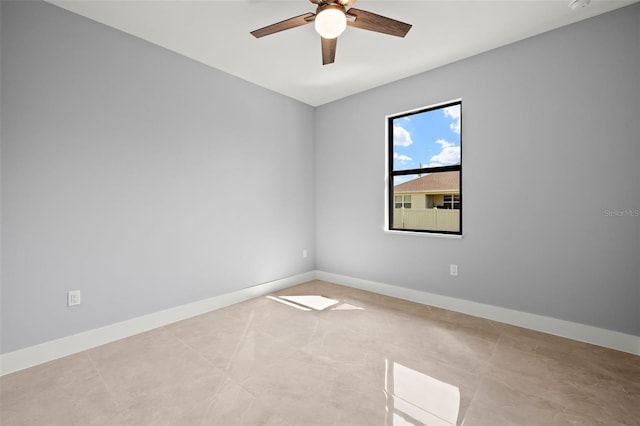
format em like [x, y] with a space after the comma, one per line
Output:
[388, 195]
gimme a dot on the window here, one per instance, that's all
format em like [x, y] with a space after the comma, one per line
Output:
[424, 149]
[403, 201]
[452, 201]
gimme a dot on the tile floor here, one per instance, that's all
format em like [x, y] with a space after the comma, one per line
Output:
[366, 360]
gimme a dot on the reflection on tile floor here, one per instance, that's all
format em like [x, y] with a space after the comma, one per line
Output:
[356, 359]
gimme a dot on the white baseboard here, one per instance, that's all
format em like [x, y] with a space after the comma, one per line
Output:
[584, 333]
[49, 351]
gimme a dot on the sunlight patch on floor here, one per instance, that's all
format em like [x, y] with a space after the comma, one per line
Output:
[315, 302]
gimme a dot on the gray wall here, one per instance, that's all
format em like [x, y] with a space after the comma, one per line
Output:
[550, 150]
[143, 178]
[148, 180]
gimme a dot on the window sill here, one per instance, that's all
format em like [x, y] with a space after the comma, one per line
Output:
[424, 234]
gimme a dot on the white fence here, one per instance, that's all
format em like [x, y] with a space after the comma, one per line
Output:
[427, 219]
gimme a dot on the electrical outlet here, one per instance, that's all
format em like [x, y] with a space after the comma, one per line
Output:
[453, 270]
[304, 253]
[73, 298]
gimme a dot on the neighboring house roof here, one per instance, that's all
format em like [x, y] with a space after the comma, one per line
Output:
[434, 182]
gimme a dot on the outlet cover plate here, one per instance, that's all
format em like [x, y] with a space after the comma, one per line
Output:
[73, 298]
[453, 270]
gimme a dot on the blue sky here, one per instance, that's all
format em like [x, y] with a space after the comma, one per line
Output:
[429, 139]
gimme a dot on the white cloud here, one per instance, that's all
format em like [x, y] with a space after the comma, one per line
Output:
[401, 157]
[450, 154]
[453, 112]
[401, 136]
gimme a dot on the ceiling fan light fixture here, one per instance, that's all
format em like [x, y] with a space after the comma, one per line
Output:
[330, 20]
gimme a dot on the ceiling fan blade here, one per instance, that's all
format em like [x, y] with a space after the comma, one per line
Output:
[287, 24]
[347, 3]
[381, 24]
[328, 50]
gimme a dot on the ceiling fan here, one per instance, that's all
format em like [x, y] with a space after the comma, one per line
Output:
[331, 19]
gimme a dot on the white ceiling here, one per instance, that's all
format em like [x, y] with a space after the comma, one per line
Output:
[216, 33]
